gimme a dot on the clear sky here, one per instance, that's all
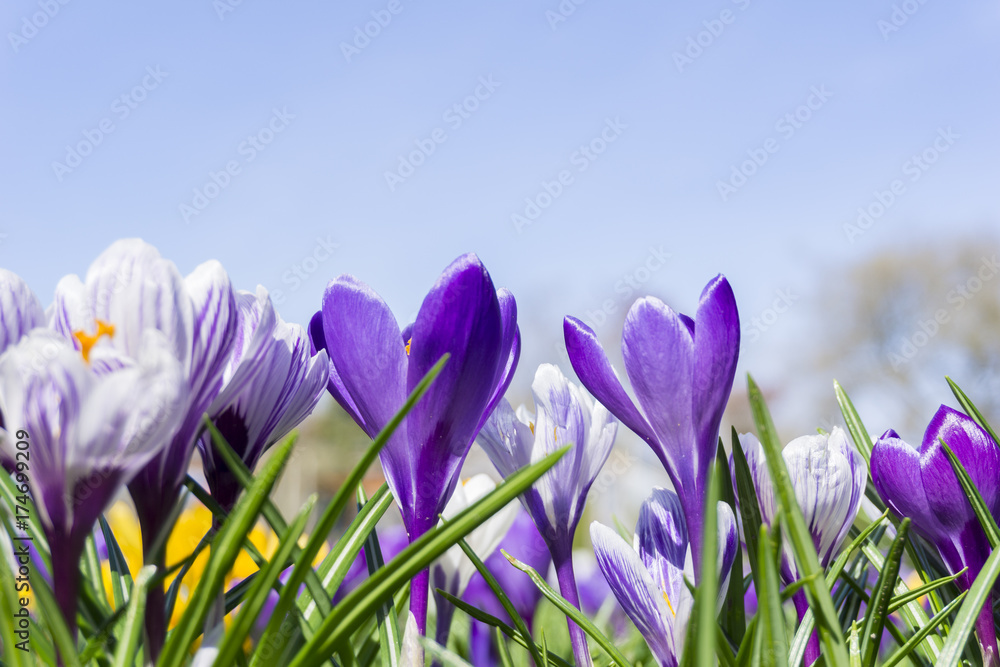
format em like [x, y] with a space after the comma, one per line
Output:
[114, 118]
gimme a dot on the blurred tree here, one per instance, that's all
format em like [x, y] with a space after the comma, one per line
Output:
[894, 324]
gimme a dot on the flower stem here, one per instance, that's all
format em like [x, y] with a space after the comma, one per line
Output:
[986, 633]
[65, 580]
[563, 561]
[418, 599]
[812, 647]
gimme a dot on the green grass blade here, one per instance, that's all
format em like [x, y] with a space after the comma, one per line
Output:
[121, 578]
[512, 633]
[53, 619]
[878, 607]
[575, 614]
[505, 602]
[797, 532]
[854, 424]
[225, 548]
[853, 647]
[749, 506]
[774, 649]
[504, 651]
[131, 632]
[906, 650]
[385, 617]
[361, 603]
[971, 409]
[707, 593]
[978, 504]
[256, 597]
[917, 593]
[733, 619]
[951, 652]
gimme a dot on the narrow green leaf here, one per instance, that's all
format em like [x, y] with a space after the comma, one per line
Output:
[121, 578]
[575, 614]
[774, 649]
[733, 619]
[504, 651]
[9, 606]
[505, 602]
[332, 513]
[385, 617]
[256, 597]
[907, 649]
[53, 619]
[225, 548]
[971, 409]
[749, 640]
[708, 583]
[797, 531]
[749, 506]
[854, 424]
[131, 632]
[978, 504]
[361, 603]
[951, 652]
[854, 648]
[878, 608]
[512, 633]
[917, 593]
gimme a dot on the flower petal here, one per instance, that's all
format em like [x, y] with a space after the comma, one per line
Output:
[596, 373]
[895, 470]
[636, 592]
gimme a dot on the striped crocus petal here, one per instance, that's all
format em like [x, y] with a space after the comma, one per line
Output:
[128, 290]
[20, 311]
[273, 382]
[829, 477]
[89, 432]
[566, 415]
[644, 601]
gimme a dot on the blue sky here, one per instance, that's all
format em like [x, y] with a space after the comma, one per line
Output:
[554, 87]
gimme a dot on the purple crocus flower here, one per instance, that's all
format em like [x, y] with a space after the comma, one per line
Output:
[272, 382]
[88, 433]
[128, 290]
[566, 414]
[829, 478]
[374, 366]
[921, 485]
[682, 373]
[648, 579]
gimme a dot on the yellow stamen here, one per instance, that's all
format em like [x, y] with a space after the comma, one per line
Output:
[555, 435]
[531, 425]
[87, 341]
[668, 603]
[408, 347]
